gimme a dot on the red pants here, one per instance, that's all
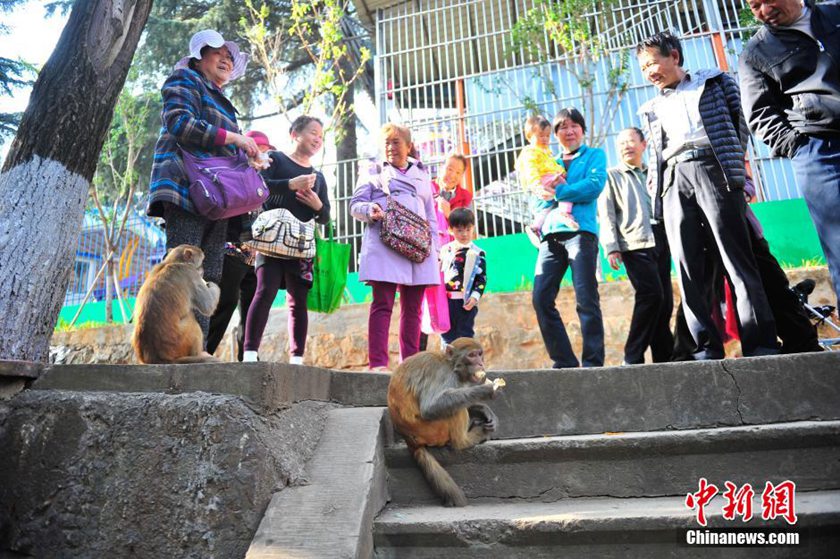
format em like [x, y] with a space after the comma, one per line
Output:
[379, 320]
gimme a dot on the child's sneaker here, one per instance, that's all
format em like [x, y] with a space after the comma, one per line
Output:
[570, 222]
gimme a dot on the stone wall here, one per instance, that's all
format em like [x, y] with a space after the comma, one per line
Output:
[506, 325]
[93, 475]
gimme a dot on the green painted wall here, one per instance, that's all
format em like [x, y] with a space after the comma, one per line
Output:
[511, 258]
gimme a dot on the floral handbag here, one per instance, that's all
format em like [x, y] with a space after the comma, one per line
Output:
[404, 231]
[280, 234]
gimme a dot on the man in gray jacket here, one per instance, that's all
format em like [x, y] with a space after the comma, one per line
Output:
[698, 137]
[629, 235]
[790, 79]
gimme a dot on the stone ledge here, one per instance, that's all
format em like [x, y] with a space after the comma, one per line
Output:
[538, 402]
[331, 516]
[20, 369]
[267, 385]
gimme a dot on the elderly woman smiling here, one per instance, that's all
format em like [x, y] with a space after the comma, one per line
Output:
[197, 117]
[384, 269]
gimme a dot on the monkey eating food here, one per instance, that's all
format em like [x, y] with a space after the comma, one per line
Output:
[166, 330]
[435, 399]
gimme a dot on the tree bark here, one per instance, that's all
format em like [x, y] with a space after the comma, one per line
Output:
[45, 179]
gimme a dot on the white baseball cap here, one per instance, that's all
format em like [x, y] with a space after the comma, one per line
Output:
[209, 37]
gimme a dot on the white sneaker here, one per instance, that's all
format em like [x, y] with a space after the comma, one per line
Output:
[250, 357]
[296, 360]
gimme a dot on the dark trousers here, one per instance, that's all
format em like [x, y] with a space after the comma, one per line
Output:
[794, 327]
[271, 275]
[662, 342]
[650, 324]
[239, 283]
[713, 290]
[556, 255]
[817, 165]
[697, 198]
[461, 321]
[183, 227]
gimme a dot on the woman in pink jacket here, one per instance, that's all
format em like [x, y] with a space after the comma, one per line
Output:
[384, 269]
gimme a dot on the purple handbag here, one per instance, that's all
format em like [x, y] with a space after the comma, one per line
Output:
[222, 187]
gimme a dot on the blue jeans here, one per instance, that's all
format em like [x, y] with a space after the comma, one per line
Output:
[581, 253]
[462, 321]
[817, 166]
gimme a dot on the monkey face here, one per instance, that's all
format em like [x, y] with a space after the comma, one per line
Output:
[188, 254]
[471, 367]
[467, 358]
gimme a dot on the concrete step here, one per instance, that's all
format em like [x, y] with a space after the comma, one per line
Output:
[603, 528]
[543, 402]
[647, 464]
[332, 515]
[669, 396]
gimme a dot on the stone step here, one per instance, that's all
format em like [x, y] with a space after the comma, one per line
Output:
[669, 396]
[606, 528]
[647, 464]
[542, 402]
[332, 515]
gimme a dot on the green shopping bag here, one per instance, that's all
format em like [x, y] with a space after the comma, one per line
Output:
[329, 273]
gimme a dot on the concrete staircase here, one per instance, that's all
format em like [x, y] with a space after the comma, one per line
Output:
[597, 463]
[586, 463]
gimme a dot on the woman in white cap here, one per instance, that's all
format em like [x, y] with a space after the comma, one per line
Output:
[200, 119]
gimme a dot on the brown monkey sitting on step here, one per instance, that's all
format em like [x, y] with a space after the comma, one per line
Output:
[165, 328]
[433, 399]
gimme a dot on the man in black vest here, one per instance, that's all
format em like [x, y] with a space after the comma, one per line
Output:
[698, 137]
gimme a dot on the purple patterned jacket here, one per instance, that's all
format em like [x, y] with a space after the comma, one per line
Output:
[412, 189]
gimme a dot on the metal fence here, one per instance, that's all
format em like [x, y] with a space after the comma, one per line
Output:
[143, 244]
[445, 68]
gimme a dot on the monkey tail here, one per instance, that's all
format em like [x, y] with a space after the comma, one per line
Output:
[441, 482]
[203, 357]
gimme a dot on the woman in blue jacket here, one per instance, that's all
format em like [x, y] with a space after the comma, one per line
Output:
[561, 248]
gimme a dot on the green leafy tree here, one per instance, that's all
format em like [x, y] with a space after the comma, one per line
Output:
[309, 59]
[114, 185]
[14, 73]
[572, 29]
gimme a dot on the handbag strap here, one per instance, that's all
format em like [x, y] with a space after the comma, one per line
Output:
[238, 153]
[330, 231]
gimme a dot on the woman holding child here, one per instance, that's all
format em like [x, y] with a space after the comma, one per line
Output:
[385, 270]
[562, 246]
[197, 117]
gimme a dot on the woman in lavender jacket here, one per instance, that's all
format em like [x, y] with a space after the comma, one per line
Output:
[384, 269]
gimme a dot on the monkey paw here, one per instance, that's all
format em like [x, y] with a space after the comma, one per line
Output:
[490, 426]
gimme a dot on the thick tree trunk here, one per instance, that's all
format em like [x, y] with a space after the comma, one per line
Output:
[45, 179]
